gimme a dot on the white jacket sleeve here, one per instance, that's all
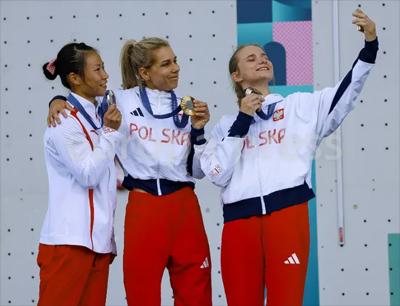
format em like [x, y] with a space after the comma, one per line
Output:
[197, 172]
[72, 148]
[334, 104]
[198, 144]
[224, 150]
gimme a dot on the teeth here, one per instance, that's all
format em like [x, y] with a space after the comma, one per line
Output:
[263, 69]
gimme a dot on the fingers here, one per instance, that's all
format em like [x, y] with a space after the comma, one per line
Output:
[255, 102]
[201, 109]
[364, 24]
[54, 117]
[359, 13]
[63, 113]
[360, 21]
[202, 112]
[117, 117]
[253, 97]
[257, 105]
[52, 122]
[113, 114]
[69, 107]
[201, 115]
[112, 111]
[199, 105]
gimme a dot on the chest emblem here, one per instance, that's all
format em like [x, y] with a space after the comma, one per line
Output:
[279, 115]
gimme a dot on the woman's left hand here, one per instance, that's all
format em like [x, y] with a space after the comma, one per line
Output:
[367, 24]
[202, 115]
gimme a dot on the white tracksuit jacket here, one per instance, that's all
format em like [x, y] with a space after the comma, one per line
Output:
[82, 183]
[265, 165]
[156, 155]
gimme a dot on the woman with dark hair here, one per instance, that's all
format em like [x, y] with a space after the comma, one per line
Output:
[77, 239]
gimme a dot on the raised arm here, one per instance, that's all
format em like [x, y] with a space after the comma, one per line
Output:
[332, 105]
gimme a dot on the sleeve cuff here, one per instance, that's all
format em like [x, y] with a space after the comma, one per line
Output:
[372, 45]
[241, 126]
[369, 52]
[197, 136]
[56, 98]
[111, 133]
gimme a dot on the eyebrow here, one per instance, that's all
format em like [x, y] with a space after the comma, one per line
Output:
[250, 56]
[262, 54]
[168, 60]
[102, 64]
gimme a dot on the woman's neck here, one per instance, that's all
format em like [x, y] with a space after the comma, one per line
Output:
[83, 95]
[151, 86]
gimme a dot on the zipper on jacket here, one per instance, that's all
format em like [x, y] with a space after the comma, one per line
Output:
[263, 207]
[110, 205]
[158, 163]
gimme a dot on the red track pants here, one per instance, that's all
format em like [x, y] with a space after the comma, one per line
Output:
[270, 250]
[166, 232]
[72, 275]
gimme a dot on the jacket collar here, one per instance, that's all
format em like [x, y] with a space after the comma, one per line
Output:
[89, 107]
[272, 98]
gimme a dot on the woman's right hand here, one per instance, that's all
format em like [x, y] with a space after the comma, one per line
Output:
[56, 107]
[113, 117]
[251, 103]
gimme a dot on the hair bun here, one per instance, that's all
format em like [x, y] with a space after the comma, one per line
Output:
[47, 73]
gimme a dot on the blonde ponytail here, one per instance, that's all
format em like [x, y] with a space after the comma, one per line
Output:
[129, 76]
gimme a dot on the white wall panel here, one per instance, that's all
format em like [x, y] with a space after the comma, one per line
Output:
[358, 272]
[202, 34]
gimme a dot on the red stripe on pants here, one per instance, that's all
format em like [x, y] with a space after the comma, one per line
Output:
[72, 275]
[255, 253]
[166, 232]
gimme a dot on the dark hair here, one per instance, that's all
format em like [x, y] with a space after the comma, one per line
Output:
[71, 58]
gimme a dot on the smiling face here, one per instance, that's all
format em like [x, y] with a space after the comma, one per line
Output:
[163, 74]
[253, 67]
[93, 83]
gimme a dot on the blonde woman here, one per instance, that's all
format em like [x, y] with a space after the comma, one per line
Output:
[163, 222]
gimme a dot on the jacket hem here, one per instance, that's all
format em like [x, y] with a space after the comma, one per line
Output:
[274, 201]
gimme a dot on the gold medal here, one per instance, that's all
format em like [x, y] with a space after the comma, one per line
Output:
[187, 105]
